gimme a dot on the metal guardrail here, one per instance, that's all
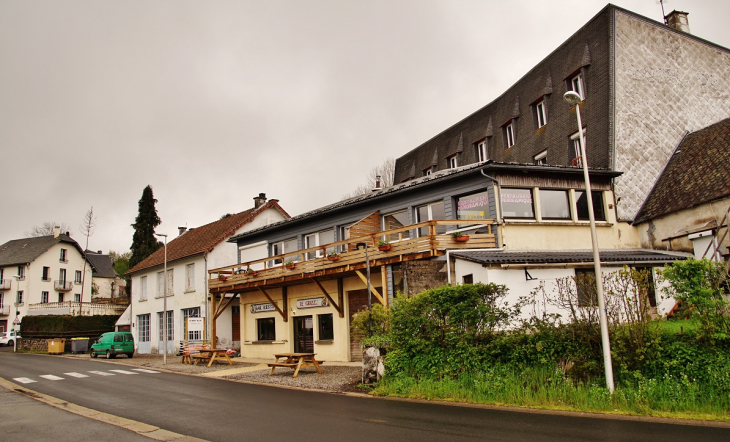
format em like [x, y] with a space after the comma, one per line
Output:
[5, 284]
[63, 286]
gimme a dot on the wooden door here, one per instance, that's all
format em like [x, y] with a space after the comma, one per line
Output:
[303, 334]
[236, 322]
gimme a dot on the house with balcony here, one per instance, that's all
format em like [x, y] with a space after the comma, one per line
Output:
[508, 176]
[189, 257]
[106, 284]
[42, 275]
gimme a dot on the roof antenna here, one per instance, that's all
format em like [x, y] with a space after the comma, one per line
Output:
[664, 17]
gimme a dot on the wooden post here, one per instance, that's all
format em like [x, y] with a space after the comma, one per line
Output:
[384, 286]
[341, 297]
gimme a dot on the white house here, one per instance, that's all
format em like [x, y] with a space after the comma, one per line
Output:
[189, 257]
[42, 275]
[106, 283]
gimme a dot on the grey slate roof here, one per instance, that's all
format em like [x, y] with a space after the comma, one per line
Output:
[25, 250]
[102, 264]
[570, 256]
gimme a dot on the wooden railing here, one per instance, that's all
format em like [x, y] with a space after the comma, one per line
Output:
[404, 244]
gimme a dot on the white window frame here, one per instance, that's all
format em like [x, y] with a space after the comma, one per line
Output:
[77, 297]
[143, 329]
[193, 312]
[21, 272]
[170, 326]
[453, 162]
[62, 276]
[190, 277]
[317, 242]
[576, 85]
[541, 158]
[575, 142]
[482, 151]
[541, 113]
[19, 297]
[44, 297]
[143, 288]
[278, 248]
[405, 235]
[64, 256]
[77, 277]
[510, 134]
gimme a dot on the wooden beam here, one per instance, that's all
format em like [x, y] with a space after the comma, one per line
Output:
[283, 315]
[285, 303]
[222, 309]
[332, 301]
[384, 284]
[341, 296]
[372, 289]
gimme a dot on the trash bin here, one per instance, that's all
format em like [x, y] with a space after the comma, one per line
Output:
[55, 346]
[79, 345]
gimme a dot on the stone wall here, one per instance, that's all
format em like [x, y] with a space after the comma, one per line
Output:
[424, 275]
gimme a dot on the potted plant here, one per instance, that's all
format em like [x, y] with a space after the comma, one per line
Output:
[383, 246]
[289, 264]
[460, 237]
[222, 278]
[333, 256]
[251, 272]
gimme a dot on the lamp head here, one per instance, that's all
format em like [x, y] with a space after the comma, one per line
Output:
[161, 234]
[572, 97]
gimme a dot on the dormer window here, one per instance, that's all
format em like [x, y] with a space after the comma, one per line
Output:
[508, 132]
[541, 158]
[540, 110]
[452, 162]
[482, 152]
[428, 171]
[575, 84]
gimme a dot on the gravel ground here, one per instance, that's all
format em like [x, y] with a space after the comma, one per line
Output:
[333, 377]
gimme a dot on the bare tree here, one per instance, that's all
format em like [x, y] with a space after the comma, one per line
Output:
[46, 229]
[386, 172]
[87, 228]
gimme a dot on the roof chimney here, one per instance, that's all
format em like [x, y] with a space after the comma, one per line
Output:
[377, 183]
[99, 252]
[678, 20]
[259, 200]
[181, 230]
[56, 231]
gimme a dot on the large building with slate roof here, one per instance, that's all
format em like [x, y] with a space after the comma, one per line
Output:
[44, 271]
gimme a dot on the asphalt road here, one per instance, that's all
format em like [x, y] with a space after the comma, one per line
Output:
[218, 410]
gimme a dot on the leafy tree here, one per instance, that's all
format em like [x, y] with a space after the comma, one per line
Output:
[46, 229]
[120, 261]
[143, 242]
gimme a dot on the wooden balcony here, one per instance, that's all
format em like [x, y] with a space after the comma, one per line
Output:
[313, 263]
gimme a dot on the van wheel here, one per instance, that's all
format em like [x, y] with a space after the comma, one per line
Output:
[108, 354]
[129, 355]
[93, 355]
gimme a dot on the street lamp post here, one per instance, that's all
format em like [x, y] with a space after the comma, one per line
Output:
[574, 99]
[12, 327]
[370, 302]
[164, 303]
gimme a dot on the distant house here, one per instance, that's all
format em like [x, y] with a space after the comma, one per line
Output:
[189, 257]
[41, 275]
[688, 207]
[106, 283]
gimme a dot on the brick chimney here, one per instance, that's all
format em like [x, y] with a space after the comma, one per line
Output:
[181, 230]
[678, 20]
[56, 231]
[259, 200]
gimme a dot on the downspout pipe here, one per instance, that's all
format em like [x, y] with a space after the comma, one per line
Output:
[499, 200]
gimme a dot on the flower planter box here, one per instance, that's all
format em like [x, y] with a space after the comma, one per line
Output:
[463, 238]
[384, 248]
[291, 266]
[333, 258]
[222, 278]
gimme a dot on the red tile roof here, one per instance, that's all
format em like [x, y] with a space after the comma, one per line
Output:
[203, 239]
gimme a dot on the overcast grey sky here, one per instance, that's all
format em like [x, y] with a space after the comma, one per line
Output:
[213, 102]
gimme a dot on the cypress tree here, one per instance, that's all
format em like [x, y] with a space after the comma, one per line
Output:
[144, 242]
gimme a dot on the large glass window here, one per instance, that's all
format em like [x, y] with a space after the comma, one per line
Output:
[194, 312]
[46, 274]
[393, 221]
[554, 204]
[430, 212]
[319, 239]
[581, 203]
[143, 328]
[190, 277]
[169, 325]
[585, 282]
[517, 203]
[265, 329]
[474, 206]
[143, 288]
[281, 247]
[326, 327]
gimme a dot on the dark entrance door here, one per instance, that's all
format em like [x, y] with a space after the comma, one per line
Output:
[303, 334]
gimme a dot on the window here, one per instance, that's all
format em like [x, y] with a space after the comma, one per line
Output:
[63, 256]
[468, 279]
[44, 297]
[474, 206]
[77, 297]
[343, 234]
[508, 131]
[265, 329]
[575, 148]
[60, 297]
[161, 283]
[2, 299]
[143, 288]
[21, 272]
[169, 325]
[581, 205]
[393, 221]
[554, 204]
[517, 203]
[194, 312]
[319, 239]
[430, 212]
[452, 162]
[646, 287]
[46, 276]
[281, 247]
[575, 84]
[77, 279]
[482, 151]
[118, 338]
[143, 328]
[190, 277]
[62, 276]
[326, 327]
[541, 158]
[427, 172]
[585, 282]
[540, 114]
[19, 298]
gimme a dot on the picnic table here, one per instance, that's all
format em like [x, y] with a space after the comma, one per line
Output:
[295, 361]
[210, 355]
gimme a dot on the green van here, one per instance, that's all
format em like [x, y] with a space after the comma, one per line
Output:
[112, 344]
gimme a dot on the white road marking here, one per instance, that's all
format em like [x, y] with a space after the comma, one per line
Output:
[24, 380]
[144, 370]
[123, 371]
[101, 373]
[51, 377]
[73, 374]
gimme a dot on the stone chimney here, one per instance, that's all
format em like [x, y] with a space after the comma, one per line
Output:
[56, 231]
[259, 200]
[678, 20]
[377, 184]
[181, 230]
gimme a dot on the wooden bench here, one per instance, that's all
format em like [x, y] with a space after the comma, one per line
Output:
[295, 361]
[191, 349]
